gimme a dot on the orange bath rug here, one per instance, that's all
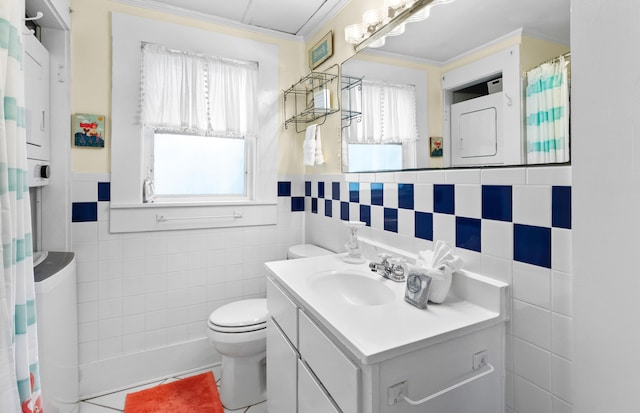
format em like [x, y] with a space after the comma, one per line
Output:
[195, 394]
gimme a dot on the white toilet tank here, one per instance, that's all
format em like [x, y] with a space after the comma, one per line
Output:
[306, 250]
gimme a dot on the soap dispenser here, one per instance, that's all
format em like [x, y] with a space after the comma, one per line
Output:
[354, 254]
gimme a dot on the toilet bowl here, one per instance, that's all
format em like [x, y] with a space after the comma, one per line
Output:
[238, 331]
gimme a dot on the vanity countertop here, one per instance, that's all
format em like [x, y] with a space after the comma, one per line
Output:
[374, 333]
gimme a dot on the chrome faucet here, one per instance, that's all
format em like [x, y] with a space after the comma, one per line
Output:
[391, 268]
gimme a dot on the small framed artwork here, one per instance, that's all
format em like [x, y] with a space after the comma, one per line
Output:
[321, 51]
[88, 130]
[435, 146]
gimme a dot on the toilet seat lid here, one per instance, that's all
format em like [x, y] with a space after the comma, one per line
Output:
[240, 313]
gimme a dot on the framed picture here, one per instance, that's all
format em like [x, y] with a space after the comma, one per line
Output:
[435, 146]
[88, 130]
[321, 51]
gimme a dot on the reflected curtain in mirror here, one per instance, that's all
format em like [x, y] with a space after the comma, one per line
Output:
[388, 118]
[547, 104]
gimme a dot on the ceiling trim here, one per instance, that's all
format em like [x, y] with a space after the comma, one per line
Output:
[517, 32]
[182, 12]
[319, 18]
[399, 56]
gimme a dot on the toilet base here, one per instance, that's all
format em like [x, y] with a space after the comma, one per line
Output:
[243, 381]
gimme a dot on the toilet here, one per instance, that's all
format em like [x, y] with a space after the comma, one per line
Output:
[238, 331]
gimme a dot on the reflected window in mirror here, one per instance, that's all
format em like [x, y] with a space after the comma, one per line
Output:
[383, 135]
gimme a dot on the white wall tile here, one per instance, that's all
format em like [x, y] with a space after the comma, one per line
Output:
[133, 324]
[532, 205]
[562, 336]
[84, 191]
[87, 311]
[109, 270]
[532, 324]
[532, 363]
[87, 332]
[87, 352]
[504, 176]
[84, 231]
[562, 293]
[561, 250]
[532, 284]
[365, 193]
[549, 175]
[468, 201]
[390, 195]
[87, 292]
[110, 250]
[444, 228]
[377, 217]
[134, 248]
[406, 177]
[462, 176]
[423, 197]
[430, 177]
[561, 378]
[110, 308]
[85, 251]
[561, 406]
[497, 268]
[87, 271]
[133, 343]
[530, 398]
[497, 238]
[406, 223]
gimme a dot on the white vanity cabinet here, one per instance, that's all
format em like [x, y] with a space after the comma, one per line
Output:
[329, 356]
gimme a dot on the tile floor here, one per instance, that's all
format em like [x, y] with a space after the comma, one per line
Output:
[114, 402]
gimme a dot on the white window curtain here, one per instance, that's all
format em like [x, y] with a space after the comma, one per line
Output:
[388, 114]
[547, 105]
[184, 92]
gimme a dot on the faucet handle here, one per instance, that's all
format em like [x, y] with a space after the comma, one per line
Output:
[399, 268]
[384, 256]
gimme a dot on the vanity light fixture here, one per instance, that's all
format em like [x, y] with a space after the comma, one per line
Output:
[388, 21]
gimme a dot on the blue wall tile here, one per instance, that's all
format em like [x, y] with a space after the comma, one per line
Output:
[444, 199]
[284, 188]
[377, 193]
[104, 191]
[497, 202]
[405, 196]
[354, 192]
[84, 212]
[297, 203]
[561, 207]
[314, 205]
[320, 189]
[468, 233]
[307, 188]
[532, 245]
[365, 214]
[424, 225]
[328, 208]
[391, 219]
[335, 191]
[344, 211]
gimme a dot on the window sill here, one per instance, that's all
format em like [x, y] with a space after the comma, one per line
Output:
[166, 216]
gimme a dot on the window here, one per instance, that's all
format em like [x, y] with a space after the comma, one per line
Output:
[197, 112]
[379, 157]
[241, 192]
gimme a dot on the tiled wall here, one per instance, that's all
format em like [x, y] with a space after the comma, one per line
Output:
[512, 224]
[142, 291]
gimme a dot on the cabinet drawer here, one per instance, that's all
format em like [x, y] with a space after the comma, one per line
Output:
[311, 396]
[339, 375]
[283, 311]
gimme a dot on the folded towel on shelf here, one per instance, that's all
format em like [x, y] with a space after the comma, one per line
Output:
[309, 145]
[439, 264]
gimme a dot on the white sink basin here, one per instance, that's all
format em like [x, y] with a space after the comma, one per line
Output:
[352, 287]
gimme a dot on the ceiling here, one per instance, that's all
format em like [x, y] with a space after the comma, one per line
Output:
[294, 17]
[451, 30]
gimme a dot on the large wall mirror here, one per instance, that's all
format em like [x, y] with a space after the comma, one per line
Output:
[475, 83]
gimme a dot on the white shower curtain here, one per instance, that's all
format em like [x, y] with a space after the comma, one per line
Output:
[19, 375]
[547, 105]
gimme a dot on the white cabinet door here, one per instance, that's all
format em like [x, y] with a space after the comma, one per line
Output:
[37, 98]
[283, 310]
[312, 398]
[281, 371]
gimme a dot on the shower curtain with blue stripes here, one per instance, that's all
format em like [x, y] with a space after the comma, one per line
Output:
[19, 376]
[547, 105]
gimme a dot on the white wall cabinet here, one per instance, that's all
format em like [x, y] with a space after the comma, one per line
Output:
[37, 98]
